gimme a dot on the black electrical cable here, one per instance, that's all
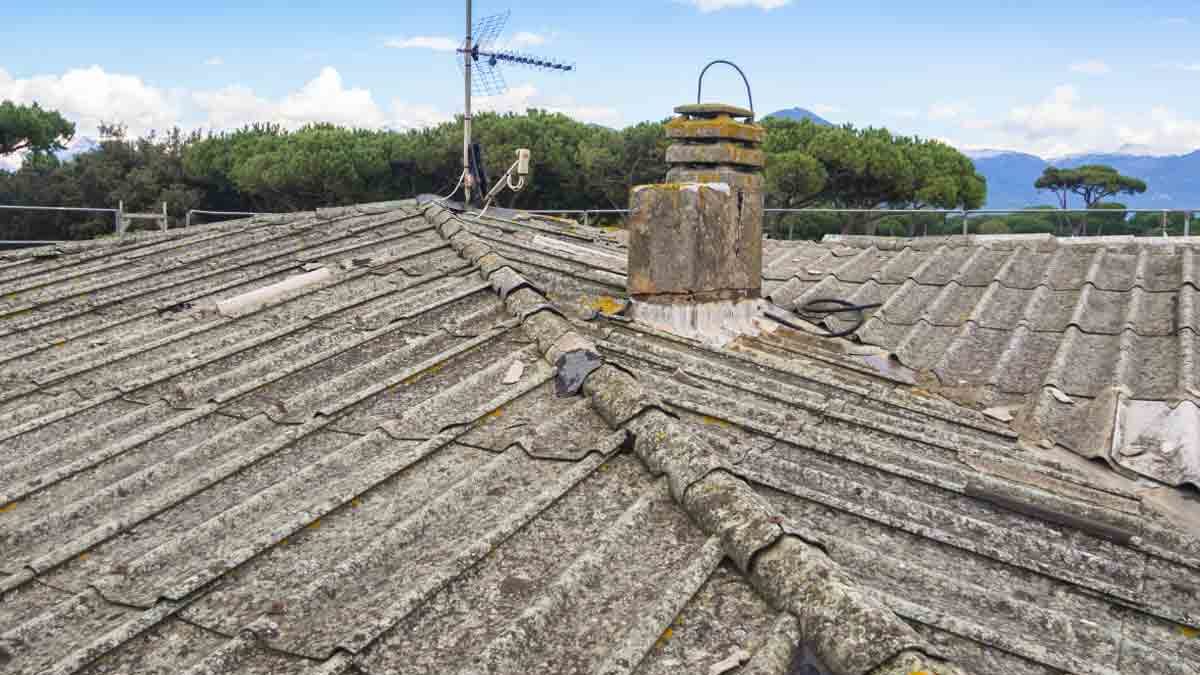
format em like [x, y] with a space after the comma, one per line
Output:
[820, 309]
[814, 310]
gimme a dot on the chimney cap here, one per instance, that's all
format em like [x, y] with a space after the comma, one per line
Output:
[712, 110]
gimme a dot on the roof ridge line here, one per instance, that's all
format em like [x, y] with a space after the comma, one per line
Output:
[852, 632]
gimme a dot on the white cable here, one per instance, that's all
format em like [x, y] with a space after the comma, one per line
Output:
[457, 185]
[506, 179]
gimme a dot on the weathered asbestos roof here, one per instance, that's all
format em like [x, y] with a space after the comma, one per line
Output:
[303, 444]
[1113, 323]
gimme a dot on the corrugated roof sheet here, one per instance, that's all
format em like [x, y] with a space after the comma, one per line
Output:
[1112, 323]
[338, 481]
[342, 481]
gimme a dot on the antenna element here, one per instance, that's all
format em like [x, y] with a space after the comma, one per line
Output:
[481, 55]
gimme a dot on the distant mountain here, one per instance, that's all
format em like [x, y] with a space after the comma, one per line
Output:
[1010, 177]
[801, 114]
[1173, 180]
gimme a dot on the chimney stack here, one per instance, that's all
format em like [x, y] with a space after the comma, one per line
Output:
[695, 242]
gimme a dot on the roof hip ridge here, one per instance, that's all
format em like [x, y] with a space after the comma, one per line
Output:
[852, 632]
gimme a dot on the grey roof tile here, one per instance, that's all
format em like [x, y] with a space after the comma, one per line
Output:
[1082, 315]
[987, 267]
[343, 482]
[1072, 267]
[973, 355]
[909, 304]
[1002, 307]
[726, 615]
[900, 267]
[1028, 268]
[944, 265]
[1022, 366]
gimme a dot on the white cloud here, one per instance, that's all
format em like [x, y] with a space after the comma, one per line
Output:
[1163, 132]
[1176, 21]
[946, 110]
[824, 109]
[519, 40]
[214, 61]
[906, 113]
[1063, 124]
[521, 98]
[718, 5]
[89, 96]
[440, 44]
[977, 124]
[1091, 67]
[1058, 115]
[527, 39]
[415, 116]
[323, 99]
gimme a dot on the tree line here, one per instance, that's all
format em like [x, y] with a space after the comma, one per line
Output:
[266, 168]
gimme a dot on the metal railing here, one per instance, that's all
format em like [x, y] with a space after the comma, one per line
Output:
[585, 212]
[121, 218]
[44, 242]
[187, 221]
[967, 214]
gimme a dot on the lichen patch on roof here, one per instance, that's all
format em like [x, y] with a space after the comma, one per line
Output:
[356, 477]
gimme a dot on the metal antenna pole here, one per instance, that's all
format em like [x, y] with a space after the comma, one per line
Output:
[468, 179]
[480, 59]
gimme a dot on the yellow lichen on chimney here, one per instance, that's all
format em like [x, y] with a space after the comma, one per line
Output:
[606, 304]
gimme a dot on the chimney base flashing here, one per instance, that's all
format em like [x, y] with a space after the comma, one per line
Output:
[714, 323]
[732, 294]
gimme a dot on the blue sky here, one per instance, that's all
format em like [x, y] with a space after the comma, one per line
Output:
[1051, 78]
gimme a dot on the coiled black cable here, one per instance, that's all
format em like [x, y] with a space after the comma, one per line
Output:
[820, 309]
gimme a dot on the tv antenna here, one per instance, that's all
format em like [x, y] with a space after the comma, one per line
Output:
[481, 56]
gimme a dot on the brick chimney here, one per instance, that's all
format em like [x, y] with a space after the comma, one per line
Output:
[695, 242]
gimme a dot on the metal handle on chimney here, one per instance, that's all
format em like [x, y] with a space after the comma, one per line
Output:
[700, 83]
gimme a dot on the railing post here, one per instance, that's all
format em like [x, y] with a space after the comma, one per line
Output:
[187, 218]
[1164, 222]
[121, 216]
[586, 219]
[966, 223]
[1187, 223]
[165, 224]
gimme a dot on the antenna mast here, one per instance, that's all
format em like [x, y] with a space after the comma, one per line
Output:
[480, 60]
[468, 179]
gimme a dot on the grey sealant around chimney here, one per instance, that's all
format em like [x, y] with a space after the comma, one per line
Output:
[695, 242]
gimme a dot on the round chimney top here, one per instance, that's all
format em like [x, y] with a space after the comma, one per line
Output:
[713, 110]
